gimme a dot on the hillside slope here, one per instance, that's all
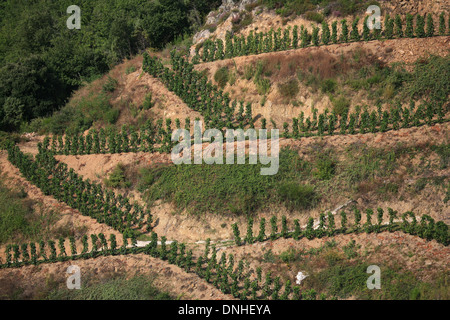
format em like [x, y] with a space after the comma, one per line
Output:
[341, 201]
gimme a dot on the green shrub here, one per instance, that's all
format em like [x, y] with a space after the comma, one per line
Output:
[13, 215]
[343, 281]
[206, 188]
[249, 72]
[350, 7]
[283, 11]
[130, 70]
[263, 86]
[290, 255]
[148, 103]
[117, 178]
[388, 188]
[291, 6]
[189, 187]
[314, 16]
[12, 113]
[222, 76]
[232, 78]
[243, 21]
[147, 176]
[112, 116]
[332, 258]
[289, 89]
[325, 168]
[269, 256]
[297, 196]
[117, 288]
[447, 194]
[78, 115]
[443, 150]
[328, 85]
[424, 82]
[71, 118]
[341, 105]
[6, 138]
[351, 249]
[110, 85]
[420, 184]
[21, 221]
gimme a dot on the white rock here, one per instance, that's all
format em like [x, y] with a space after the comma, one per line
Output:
[201, 36]
[300, 277]
[244, 3]
[211, 18]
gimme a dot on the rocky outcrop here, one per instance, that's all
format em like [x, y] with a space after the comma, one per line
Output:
[228, 11]
[201, 36]
[220, 21]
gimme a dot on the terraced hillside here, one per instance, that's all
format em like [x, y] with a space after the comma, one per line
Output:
[363, 179]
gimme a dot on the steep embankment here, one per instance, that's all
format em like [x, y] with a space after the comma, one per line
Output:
[415, 178]
[327, 62]
[184, 227]
[33, 282]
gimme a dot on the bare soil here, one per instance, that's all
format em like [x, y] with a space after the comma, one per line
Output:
[36, 280]
[277, 108]
[183, 227]
[426, 259]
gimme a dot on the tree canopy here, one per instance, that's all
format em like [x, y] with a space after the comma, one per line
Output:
[42, 61]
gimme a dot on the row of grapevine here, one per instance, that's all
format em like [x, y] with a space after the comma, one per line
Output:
[365, 121]
[90, 199]
[151, 138]
[198, 93]
[292, 38]
[148, 138]
[427, 228]
[196, 90]
[223, 273]
[233, 278]
[220, 112]
[50, 251]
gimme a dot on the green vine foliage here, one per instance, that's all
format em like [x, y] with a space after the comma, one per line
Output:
[281, 39]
